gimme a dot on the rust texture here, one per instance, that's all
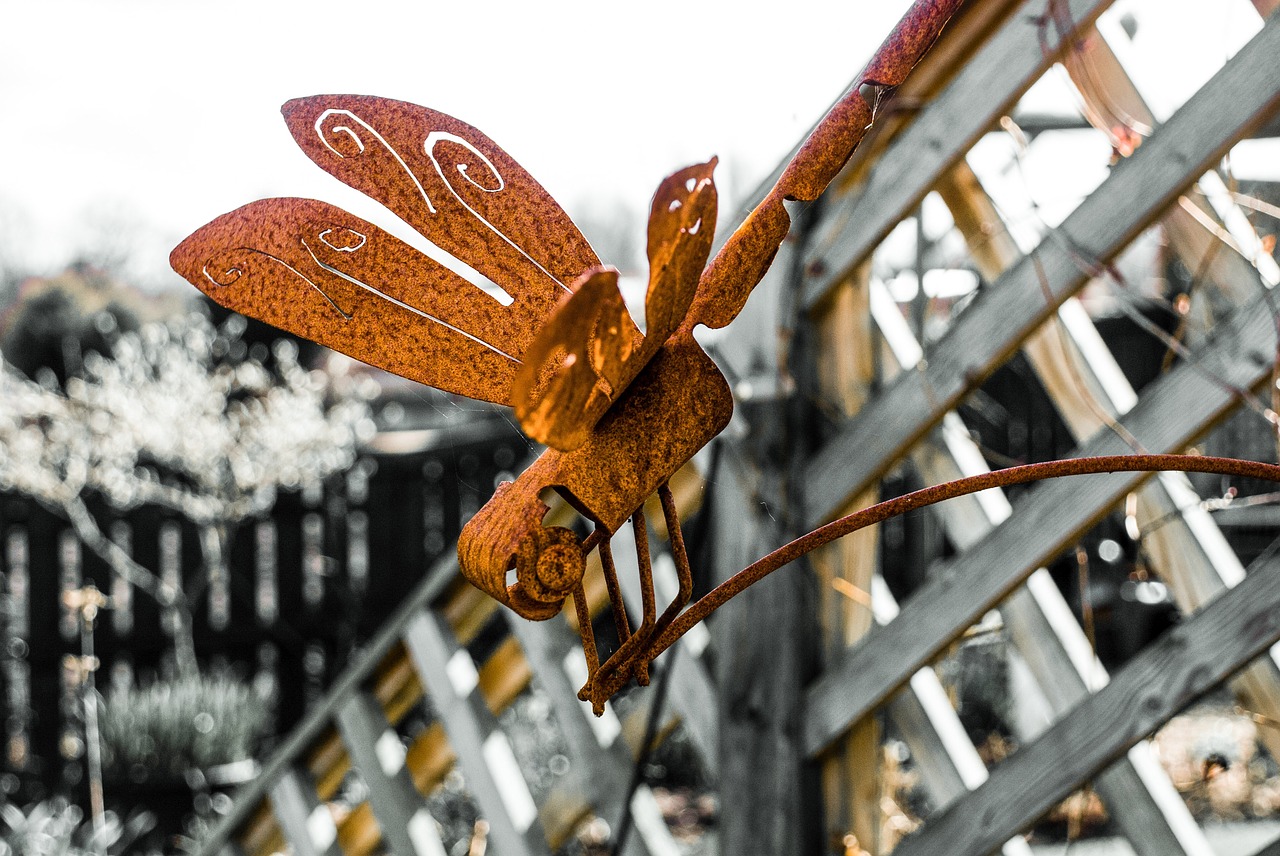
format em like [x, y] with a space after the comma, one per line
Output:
[549, 334]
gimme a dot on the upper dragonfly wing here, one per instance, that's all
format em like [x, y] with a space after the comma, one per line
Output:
[451, 183]
[319, 272]
[586, 354]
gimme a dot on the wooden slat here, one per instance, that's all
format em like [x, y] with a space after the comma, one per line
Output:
[949, 764]
[852, 783]
[1007, 65]
[1140, 797]
[763, 654]
[1182, 665]
[484, 751]
[1177, 408]
[1242, 94]
[407, 828]
[307, 823]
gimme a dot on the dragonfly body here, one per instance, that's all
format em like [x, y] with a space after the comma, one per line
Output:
[673, 408]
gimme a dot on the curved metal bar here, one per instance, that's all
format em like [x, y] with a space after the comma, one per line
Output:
[880, 512]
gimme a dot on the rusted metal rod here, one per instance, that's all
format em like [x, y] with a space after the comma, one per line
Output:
[929, 496]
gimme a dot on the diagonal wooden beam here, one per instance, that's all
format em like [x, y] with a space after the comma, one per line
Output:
[1137, 793]
[1242, 94]
[1182, 665]
[376, 751]
[307, 823]
[452, 680]
[1007, 65]
[1177, 408]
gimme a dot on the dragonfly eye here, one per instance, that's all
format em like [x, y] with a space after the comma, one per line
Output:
[549, 563]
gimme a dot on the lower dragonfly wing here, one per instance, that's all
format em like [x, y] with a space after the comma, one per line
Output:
[578, 364]
[321, 273]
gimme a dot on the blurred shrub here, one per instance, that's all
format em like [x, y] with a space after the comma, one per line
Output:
[56, 827]
[162, 732]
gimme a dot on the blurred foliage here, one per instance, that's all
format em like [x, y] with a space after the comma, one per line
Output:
[56, 827]
[54, 321]
[161, 732]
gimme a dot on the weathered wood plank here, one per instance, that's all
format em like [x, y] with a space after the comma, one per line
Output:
[1013, 59]
[1140, 797]
[1243, 93]
[1182, 665]
[407, 828]
[1177, 408]
[484, 752]
[769, 794]
[308, 826]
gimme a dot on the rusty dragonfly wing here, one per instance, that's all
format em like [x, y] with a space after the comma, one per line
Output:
[587, 353]
[327, 275]
[321, 273]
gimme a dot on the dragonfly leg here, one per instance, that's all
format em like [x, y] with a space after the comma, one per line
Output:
[629, 659]
[588, 637]
[684, 574]
[619, 606]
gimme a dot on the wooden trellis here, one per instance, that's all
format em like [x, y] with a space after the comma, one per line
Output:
[898, 405]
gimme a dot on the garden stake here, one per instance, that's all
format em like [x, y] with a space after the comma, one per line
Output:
[549, 334]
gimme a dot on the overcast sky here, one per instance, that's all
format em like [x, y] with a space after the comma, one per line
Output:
[154, 116]
[165, 114]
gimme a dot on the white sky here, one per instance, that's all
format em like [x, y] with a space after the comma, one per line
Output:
[154, 116]
[161, 114]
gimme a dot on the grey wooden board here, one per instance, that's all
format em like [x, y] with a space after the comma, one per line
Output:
[407, 828]
[1178, 668]
[948, 763]
[985, 89]
[451, 678]
[599, 760]
[305, 821]
[1173, 411]
[1243, 93]
[1272, 849]
[1047, 638]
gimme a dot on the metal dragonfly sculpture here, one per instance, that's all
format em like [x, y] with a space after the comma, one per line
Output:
[619, 410]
